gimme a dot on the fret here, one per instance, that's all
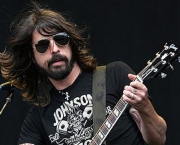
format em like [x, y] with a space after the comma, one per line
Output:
[111, 120]
[98, 140]
[121, 104]
[104, 129]
[93, 142]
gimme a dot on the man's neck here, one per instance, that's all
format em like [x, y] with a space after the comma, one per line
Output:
[62, 84]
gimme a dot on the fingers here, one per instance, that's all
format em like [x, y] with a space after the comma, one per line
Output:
[132, 97]
[139, 86]
[136, 89]
[135, 92]
[131, 77]
[130, 93]
[136, 84]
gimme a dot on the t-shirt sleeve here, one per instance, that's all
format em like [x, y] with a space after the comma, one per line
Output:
[117, 75]
[30, 130]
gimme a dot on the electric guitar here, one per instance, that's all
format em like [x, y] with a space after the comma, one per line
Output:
[154, 68]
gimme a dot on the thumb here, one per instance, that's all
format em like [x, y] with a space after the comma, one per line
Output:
[131, 76]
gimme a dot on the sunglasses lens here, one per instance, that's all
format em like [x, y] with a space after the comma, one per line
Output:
[42, 45]
[61, 39]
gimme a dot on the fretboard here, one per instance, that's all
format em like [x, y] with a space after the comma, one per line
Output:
[108, 124]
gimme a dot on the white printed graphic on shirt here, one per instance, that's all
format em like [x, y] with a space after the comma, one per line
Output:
[71, 120]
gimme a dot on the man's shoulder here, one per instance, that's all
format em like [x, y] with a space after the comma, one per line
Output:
[118, 66]
[115, 64]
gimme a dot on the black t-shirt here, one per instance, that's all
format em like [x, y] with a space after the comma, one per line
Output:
[68, 119]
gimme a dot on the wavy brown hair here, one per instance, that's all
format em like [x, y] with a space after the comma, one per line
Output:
[16, 60]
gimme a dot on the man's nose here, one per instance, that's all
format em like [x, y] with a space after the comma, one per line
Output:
[54, 47]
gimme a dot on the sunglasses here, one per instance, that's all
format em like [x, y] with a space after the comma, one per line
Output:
[61, 39]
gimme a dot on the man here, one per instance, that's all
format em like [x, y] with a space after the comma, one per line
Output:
[48, 59]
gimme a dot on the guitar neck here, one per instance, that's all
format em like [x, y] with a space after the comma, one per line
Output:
[110, 121]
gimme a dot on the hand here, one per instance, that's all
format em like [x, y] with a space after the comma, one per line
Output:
[136, 94]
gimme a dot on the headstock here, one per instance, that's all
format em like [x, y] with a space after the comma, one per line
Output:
[162, 61]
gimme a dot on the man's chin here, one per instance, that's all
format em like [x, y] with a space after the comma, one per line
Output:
[57, 68]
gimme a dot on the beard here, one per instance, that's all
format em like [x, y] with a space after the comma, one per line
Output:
[57, 72]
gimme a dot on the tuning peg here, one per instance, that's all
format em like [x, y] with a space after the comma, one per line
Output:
[179, 59]
[166, 47]
[171, 66]
[163, 75]
[158, 55]
[149, 62]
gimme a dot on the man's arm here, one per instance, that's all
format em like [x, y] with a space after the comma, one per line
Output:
[152, 126]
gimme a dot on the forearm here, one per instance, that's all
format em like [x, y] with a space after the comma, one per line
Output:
[154, 131]
[152, 126]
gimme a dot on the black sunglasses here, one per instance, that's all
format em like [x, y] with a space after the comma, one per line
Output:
[61, 39]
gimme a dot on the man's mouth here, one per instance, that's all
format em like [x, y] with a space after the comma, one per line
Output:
[58, 62]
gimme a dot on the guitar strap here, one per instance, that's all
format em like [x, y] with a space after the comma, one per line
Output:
[99, 97]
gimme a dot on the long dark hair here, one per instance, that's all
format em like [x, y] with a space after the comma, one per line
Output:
[16, 60]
